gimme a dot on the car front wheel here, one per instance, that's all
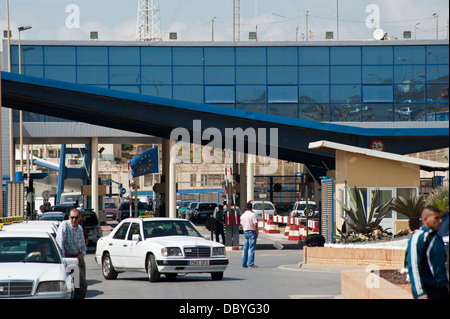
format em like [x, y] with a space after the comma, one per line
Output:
[108, 269]
[152, 269]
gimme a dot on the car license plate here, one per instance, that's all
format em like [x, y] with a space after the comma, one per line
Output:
[199, 262]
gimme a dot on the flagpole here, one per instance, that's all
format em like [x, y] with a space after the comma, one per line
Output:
[129, 187]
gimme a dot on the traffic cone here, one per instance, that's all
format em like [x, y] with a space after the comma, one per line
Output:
[294, 233]
[271, 227]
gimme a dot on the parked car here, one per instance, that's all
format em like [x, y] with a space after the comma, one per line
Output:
[92, 225]
[55, 216]
[299, 209]
[32, 227]
[25, 271]
[283, 209]
[202, 211]
[269, 208]
[111, 210]
[190, 210]
[159, 246]
[63, 207]
[184, 208]
[124, 210]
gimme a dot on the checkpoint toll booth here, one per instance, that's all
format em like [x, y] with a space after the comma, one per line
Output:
[232, 223]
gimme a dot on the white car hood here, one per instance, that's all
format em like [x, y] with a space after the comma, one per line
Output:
[176, 241]
[32, 271]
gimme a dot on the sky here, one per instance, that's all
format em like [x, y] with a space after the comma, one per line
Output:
[191, 19]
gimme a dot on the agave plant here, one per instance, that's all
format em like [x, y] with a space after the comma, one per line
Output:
[356, 216]
[411, 208]
[439, 198]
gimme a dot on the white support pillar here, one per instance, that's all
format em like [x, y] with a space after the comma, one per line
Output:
[251, 159]
[243, 182]
[94, 174]
[169, 170]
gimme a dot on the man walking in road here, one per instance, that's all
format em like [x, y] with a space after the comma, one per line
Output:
[250, 226]
[70, 238]
[426, 258]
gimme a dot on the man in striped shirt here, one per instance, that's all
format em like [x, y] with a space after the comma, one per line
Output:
[426, 258]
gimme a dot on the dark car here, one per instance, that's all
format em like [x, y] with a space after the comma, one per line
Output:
[92, 226]
[57, 216]
[283, 209]
[64, 207]
[203, 211]
[124, 210]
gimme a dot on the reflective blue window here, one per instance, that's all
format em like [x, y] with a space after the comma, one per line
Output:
[156, 75]
[437, 112]
[251, 93]
[409, 55]
[219, 94]
[250, 56]
[282, 94]
[92, 55]
[187, 56]
[61, 73]
[282, 56]
[59, 55]
[377, 74]
[314, 56]
[156, 56]
[33, 70]
[437, 93]
[124, 75]
[346, 74]
[377, 55]
[409, 73]
[260, 108]
[437, 54]
[314, 112]
[437, 73]
[314, 93]
[126, 88]
[187, 75]
[346, 93]
[219, 56]
[282, 75]
[288, 110]
[157, 90]
[378, 93]
[92, 74]
[30, 54]
[191, 93]
[124, 56]
[377, 112]
[345, 55]
[314, 75]
[251, 75]
[345, 113]
[409, 112]
[409, 93]
[219, 75]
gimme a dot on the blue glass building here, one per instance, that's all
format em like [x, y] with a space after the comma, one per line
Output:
[385, 81]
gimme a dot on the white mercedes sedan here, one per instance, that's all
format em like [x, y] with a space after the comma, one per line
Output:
[156, 246]
[31, 266]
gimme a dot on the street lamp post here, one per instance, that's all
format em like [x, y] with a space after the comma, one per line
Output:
[437, 17]
[23, 28]
[415, 29]
[212, 28]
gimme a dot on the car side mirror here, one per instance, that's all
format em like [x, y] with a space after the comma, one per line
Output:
[136, 237]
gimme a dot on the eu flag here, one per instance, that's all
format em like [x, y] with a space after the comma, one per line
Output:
[145, 163]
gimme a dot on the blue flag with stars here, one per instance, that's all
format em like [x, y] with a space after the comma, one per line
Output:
[145, 163]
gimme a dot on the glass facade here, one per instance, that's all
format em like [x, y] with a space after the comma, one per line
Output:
[358, 83]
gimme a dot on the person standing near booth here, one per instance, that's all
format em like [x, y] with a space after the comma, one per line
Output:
[249, 224]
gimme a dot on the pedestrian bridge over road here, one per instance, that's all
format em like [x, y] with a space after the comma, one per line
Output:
[159, 116]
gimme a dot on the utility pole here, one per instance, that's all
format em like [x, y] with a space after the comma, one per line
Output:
[148, 26]
[337, 20]
[236, 20]
[307, 26]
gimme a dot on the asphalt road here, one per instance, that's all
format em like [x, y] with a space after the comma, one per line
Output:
[278, 277]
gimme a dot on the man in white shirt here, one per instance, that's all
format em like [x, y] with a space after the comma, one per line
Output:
[250, 226]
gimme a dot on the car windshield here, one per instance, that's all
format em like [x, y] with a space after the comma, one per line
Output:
[259, 206]
[160, 228]
[303, 206]
[37, 250]
[47, 216]
[185, 204]
[208, 206]
[110, 205]
[90, 219]
[126, 206]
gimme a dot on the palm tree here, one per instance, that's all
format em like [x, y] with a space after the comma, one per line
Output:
[411, 208]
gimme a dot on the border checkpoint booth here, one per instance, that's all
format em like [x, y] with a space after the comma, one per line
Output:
[394, 175]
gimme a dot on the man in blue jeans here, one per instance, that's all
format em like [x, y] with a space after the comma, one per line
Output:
[250, 226]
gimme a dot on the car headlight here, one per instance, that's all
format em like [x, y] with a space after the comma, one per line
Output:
[171, 252]
[52, 286]
[218, 251]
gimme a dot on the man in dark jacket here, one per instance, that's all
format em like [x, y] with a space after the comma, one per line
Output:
[426, 258]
